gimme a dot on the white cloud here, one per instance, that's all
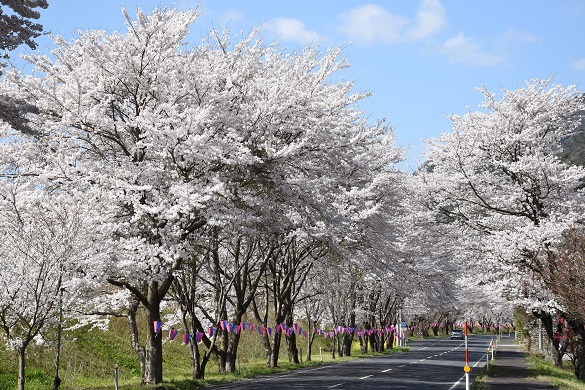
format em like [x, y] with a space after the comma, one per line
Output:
[468, 51]
[514, 36]
[233, 15]
[372, 23]
[430, 19]
[369, 23]
[290, 29]
[578, 64]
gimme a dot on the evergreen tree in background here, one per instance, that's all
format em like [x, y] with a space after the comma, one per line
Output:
[18, 26]
[17, 23]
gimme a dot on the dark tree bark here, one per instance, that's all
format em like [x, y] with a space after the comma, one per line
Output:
[150, 295]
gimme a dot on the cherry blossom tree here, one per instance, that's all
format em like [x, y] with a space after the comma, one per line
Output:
[45, 241]
[497, 179]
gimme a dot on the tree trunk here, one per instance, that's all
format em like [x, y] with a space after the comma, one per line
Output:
[556, 353]
[152, 373]
[346, 346]
[139, 349]
[275, 349]
[579, 359]
[222, 359]
[391, 340]
[232, 353]
[310, 340]
[195, 361]
[373, 342]
[381, 342]
[333, 346]
[348, 336]
[21, 366]
[293, 352]
[57, 379]
[310, 335]
[578, 345]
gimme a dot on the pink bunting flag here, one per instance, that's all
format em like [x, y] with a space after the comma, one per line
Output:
[269, 331]
[186, 338]
[210, 332]
[251, 326]
[260, 329]
[199, 337]
[157, 327]
[173, 333]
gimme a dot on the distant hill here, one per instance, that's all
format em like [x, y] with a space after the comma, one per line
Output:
[573, 147]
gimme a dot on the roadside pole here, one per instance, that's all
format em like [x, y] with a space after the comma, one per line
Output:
[466, 368]
[400, 327]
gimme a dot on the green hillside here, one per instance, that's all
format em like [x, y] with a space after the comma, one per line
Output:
[88, 358]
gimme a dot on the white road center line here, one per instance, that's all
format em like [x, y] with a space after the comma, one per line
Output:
[367, 376]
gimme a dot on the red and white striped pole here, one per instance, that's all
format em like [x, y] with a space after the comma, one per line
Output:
[466, 368]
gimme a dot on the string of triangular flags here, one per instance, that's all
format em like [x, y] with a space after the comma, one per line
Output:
[477, 325]
[279, 328]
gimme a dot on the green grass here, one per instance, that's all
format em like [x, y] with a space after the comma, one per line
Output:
[563, 377]
[88, 358]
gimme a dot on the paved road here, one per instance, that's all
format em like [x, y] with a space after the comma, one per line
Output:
[430, 364]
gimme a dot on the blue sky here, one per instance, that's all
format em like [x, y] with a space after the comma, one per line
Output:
[422, 59]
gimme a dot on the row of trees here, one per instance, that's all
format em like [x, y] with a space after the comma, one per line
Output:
[512, 205]
[224, 181]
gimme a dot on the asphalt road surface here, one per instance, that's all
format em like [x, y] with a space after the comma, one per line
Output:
[430, 364]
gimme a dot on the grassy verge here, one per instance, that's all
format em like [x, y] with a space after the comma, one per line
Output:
[479, 383]
[89, 356]
[248, 370]
[563, 378]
